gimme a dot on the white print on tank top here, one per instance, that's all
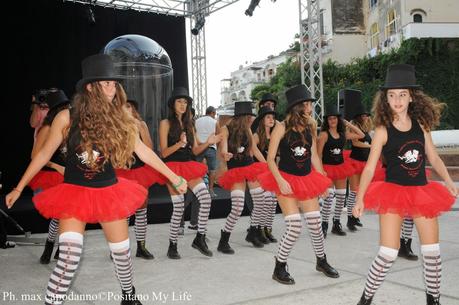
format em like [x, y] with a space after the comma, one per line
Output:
[298, 151]
[410, 156]
[335, 151]
[83, 157]
[240, 150]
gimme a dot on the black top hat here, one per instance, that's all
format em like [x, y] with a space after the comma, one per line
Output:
[97, 67]
[56, 98]
[268, 97]
[296, 95]
[265, 110]
[331, 110]
[243, 108]
[400, 76]
[179, 92]
[360, 109]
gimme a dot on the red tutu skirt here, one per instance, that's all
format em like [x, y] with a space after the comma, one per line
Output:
[380, 173]
[303, 187]
[427, 200]
[45, 179]
[189, 170]
[90, 204]
[240, 174]
[340, 171]
[144, 175]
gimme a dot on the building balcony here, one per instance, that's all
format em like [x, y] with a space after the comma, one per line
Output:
[431, 29]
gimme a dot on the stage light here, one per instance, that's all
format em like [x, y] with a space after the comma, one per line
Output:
[253, 4]
[198, 25]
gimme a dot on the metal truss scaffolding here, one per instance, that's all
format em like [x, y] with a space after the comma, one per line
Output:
[166, 7]
[311, 53]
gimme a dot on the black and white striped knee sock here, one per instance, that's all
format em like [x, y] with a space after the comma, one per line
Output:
[378, 270]
[178, 202]
[237, 205]
[340, 197]
[121, 254]
[432, 268]
[258, 197]
[273, 210]
[293, 226]
[70, 249]
[314, 224]
[202, 193]
[267, 210]
[140, 226]
[407, 228]
[327, 205]
[53, 228]
[350, 202]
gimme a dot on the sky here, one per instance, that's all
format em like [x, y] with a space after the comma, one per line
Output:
[234, 39]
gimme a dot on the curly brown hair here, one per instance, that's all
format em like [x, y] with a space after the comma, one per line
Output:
[365, 126]
[106, 125]
[239, 132]
[424, 108]
[298, 119]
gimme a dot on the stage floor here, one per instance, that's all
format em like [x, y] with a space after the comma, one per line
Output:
[242, 278]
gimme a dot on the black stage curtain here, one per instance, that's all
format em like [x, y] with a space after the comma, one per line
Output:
[43, 43]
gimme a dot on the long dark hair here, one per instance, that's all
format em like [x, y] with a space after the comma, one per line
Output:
[325, 126]
[239, 132]
[263, 140]
[187, 126]
[424, 108]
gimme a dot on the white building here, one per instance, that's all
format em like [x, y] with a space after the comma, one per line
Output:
[355, 28]
[389, 22]
[242, 81]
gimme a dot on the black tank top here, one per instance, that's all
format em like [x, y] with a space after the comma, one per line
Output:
[183, 154]
[76, 171]
[58, 157]
[360, 153]
[405, 156]
[295, 157]
[240, 157]
[332, 153]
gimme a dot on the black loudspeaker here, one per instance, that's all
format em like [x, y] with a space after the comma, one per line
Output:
[349, 101]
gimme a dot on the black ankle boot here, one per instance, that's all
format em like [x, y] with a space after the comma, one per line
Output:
[337, 229]
[431, 300]
[261, 235]
[223, 244]
[142, 251]
[405, 250]
[281, 274]
[325, 228]
[130, 298]
[364, 301]
[323, 266]
[252, 237]
[199, 243]
[269, 235]
[357, 222]
[56, 254]
[172, 251]
[351, 223]
[47, 252]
